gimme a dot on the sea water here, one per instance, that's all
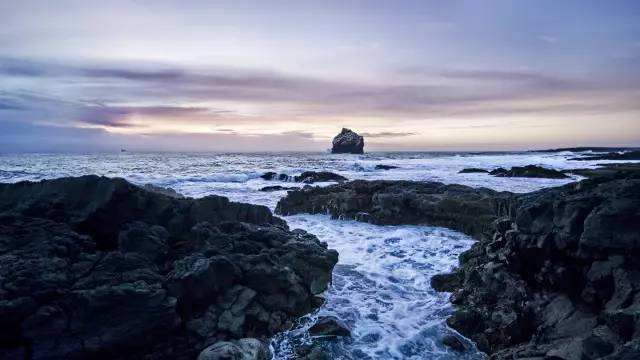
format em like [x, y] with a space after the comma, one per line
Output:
[380, 285]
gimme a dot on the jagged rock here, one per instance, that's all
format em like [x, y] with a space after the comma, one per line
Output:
[545, 284]
[309, 177]
[348, 142]
[529, 171]
[459, 207]
[242, 349]
[277, 188]
[94, 267]
[472, 170]
[454, 343]
[163, 190]
[606, 170]
[329, 326]
[275, 176]
[622, 155]
[446, 282]
[385, 167]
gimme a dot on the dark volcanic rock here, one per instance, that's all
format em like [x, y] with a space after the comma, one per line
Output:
[557, 277]
[530, 171]
[607, 170]
[275, 176]
[277, 188]
[385, 167]
[459, 207]
[587, 148]
[329, 326]
[93, 267]
[472, 170]
[243, 349]
[309, 177]
[348, 142]
[454, 343]
[626, 155]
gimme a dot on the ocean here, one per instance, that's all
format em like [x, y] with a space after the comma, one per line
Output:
[381, 282]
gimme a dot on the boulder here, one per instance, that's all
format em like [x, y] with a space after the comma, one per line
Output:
[385, 167]
[454, 343]
[93, 267]
[277, 188]
[329, 326]
[472, 171]
[530, 171]
[309, 177]
[242, 349]
[275, 176]
[348, 142]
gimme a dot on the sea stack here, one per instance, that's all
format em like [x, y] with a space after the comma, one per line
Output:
[348, 142]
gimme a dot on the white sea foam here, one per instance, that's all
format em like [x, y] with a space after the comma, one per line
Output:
[381, 290]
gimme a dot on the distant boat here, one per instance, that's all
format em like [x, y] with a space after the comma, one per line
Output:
[123, 150]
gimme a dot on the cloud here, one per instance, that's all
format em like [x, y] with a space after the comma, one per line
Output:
[548, 39]
[146, 98]
[299, 133]
[388, 134]
[111, 116]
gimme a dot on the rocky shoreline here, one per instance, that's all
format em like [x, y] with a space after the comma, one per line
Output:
[554, 274]
[93, 267]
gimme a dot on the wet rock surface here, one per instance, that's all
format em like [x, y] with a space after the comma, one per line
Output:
[93, 267]
[530, 171]
[463, 208]
[607, 170]
[472, 171]
[385, 167]
[307, 177]
[555, 274]
[559, 276]
[242, 349]
[348, 142]
[329, 326]
[454, 343]
[277, 188]
[616, 155]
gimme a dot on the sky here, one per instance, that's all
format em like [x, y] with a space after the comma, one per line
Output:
[196, 75]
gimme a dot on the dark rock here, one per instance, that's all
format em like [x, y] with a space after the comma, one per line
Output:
[446, 282]
[242, 349]
[459, 207]
[588, 148]
[604, 170]
[309, 177]
[94, 267]
[274, 176]
[348, 142]
[472, 170]
[454, 343]
[385, 167]
[163, 190]
[277, 188]
[329, 326]
[622, 155]
[530, 171]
